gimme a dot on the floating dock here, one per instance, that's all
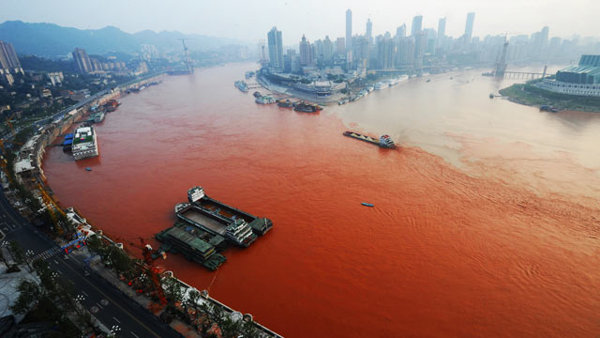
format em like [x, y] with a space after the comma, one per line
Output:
[206, 226]
[193, 244]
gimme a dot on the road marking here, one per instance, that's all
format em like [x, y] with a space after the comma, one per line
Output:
[85, 293]
[135, 335]
[118, 321]
[112, 301]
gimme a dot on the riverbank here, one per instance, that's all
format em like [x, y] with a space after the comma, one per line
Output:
[34, 180]
[441, 245]
[291, 92]
[528, 94]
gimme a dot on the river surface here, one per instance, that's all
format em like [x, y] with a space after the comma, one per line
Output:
[486, 220]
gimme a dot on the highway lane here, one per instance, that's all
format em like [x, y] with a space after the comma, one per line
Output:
[112, 307]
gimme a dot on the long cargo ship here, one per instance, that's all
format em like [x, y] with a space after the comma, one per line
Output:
[197, 197]
[85, 143]
[385, 141]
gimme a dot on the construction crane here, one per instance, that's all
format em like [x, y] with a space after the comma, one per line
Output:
[153, 272]
[186, 57]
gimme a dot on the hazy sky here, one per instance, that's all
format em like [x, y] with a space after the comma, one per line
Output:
[251, 19]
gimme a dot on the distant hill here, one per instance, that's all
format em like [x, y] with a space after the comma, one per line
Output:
[50, 40]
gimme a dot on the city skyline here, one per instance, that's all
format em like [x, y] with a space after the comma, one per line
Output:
[248, 21]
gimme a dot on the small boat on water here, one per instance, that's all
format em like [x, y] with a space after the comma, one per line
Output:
[368, 204]
[264, 100]
[305, 107]
[241, 85]
[285, 103]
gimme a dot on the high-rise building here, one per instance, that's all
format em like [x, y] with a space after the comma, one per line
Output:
[369, 33]
[386, 52]
[288, 60]
[420, 45]
[83, 64]
[306, 53]
[361, 49]
[417, 25]
[401, 31]
[469, 26]
[275, 43]
[441, 28]
[327, 51]
[544, 35]
[9, 62]
[348, 30]
[340, 46]
[405, 55]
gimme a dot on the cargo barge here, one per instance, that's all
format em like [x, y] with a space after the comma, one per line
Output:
[385, 141]
[259, 225]
[68, 142]
[206, 227]
[237, 231]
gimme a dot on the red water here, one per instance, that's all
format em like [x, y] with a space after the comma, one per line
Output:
[441, 253]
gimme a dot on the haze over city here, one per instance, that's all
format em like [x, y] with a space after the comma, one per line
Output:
[270, 169]
[249, 20]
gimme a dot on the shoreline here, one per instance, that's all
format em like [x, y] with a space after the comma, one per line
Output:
[528, 95]
[56, 126]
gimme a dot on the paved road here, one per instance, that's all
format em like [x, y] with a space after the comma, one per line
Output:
[113, 308]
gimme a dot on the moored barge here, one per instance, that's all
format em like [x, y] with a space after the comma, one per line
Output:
[197, 197]
[205, 227]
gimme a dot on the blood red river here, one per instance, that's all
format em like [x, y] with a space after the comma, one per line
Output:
[486, 220]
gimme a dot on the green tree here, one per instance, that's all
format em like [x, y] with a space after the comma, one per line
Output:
[173, 290]
[29, 295]
[17, 252]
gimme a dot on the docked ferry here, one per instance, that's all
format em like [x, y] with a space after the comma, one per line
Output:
[85, 143]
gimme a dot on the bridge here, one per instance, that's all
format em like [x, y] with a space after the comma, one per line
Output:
[518, 75]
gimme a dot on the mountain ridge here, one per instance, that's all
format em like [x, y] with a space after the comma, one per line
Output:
[54, 41]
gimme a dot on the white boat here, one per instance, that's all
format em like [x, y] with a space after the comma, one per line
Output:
[380, 85]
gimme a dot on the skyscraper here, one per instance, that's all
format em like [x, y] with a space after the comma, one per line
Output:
[327, 50]
[83, 64]
[401, 31]
[441, 28]
[9, 62]
[417, 25]
[275, 43]
[340, 46]
[306, 53]
[348, 30]
[369, 33]
[469, 26]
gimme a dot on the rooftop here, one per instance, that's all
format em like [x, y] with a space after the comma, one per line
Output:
[193, 241]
